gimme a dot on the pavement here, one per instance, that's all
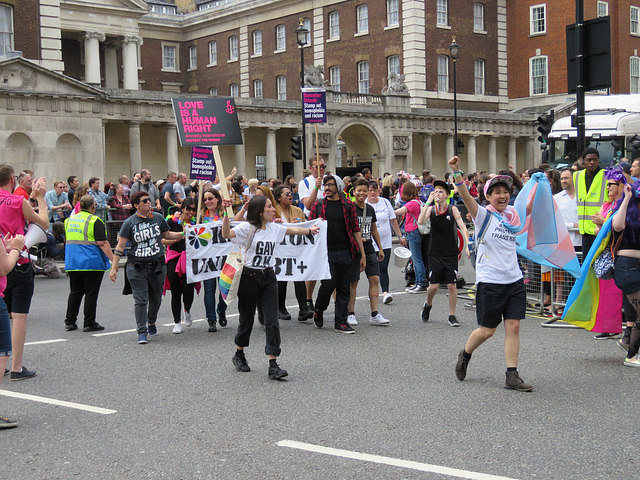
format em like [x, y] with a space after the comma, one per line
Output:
[383, 403]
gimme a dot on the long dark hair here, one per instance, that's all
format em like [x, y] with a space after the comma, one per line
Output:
[632, 220]
[255, 209]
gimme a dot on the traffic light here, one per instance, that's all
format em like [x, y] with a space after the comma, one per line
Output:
[296, 147]
[545, 122]
[634, 143]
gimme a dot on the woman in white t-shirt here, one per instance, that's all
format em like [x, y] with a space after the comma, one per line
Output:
[501, 293]
[258, 237]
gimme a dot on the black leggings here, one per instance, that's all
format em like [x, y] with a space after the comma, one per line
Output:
[301, 294]
[179, 288]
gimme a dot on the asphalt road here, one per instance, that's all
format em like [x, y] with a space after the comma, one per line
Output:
[385, 401]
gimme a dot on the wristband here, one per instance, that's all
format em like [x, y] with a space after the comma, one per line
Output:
[457, 173]
[16, 249]
[120, 253]
[458, 184]
[224, 213]
[309, 232]
[316, 187]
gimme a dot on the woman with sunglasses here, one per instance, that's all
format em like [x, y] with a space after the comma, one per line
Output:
[213, 213]
[181, 291]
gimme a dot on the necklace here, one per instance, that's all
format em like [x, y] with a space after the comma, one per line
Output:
[440, 210]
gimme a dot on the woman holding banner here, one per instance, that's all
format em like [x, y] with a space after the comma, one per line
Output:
[213, 213]
[258, 237]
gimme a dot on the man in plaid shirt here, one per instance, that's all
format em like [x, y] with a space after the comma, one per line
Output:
[345, 252]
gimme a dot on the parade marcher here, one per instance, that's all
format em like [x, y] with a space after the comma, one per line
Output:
[500, 289]
[257, 238]
[411, 212]
[145, 268]
[213, 213]
[87, 256]
[590, 192]
[15, 212]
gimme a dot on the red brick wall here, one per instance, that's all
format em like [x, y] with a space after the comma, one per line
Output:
[26, 24]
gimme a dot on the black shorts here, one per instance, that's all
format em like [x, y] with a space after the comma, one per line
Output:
[495, 302]
[19, 291]
[443, 269]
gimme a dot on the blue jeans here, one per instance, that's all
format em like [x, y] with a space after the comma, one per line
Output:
[210, 300]
[415, 245]
[147, 280]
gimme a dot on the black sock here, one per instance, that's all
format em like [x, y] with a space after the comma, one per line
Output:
[272, 362]
[466, 355]
[352, 313]
[512, 369]
[373, 314]
[239, 353]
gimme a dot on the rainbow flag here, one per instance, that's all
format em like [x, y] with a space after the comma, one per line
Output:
[225, 282]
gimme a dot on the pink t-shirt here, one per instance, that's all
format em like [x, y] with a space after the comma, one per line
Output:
[414, 207]
[11, 217]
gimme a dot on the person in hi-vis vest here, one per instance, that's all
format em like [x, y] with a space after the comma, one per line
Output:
[590, 195]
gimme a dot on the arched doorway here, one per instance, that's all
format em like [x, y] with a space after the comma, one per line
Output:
[358, 148]
[19, 152]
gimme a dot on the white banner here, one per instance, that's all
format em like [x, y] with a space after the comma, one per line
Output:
[298, 257]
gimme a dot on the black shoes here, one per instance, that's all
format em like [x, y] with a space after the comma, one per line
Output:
[71, 326]
[514, 382]
[275, 372]
[306, 312]
[222, 319]
[23, 374]
[344, 328]
[426, 311]
[453, 321]
[284, 315]
[6, 423]
[318, 320]
[94, 327]
[240, 362]
[212, 327]
[461, 366]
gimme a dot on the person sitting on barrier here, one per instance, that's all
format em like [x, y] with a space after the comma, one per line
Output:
[501, 291]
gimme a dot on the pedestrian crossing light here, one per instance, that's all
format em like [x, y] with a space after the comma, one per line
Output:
[545, 122]
[296, 147]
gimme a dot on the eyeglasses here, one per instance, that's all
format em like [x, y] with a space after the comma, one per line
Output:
[145, 200]
[209, 199]
[329, 185]
[287, 194]
[191, 209]
[612, 183]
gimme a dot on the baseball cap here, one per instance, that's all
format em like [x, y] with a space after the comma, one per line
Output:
[497, 179]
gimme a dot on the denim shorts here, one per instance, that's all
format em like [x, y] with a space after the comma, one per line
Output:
[627, 274]
[5, 330]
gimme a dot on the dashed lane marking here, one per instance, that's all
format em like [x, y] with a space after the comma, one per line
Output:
[61, 403]
[42, 342]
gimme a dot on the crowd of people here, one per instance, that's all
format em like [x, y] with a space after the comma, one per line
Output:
[361, 214]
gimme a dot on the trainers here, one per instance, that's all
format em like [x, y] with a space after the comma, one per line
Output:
[461, 366]
[94, 327]
[142, 339]
[177, 328]
[303, 313]
[23, 374]
[277, 373]
[187, 319]
[351, 320]
[344, 328]
[284, 315]
[6, 423]
[6, 372]
[378, 320]
[240, 362]
[71, 326]
[152, 329]
[453, 321]
[605, 336]
[426, 311]
[317, 318]
[212, 327]
[514, 382]
[629, 362]
[387, 298]
[418, 289]
[222, 319]
[623, 345]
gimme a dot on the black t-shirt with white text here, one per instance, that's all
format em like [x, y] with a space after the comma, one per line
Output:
[144, 235]
[365, 223]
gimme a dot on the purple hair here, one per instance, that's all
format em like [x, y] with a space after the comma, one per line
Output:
[616, 174]
[632, 220]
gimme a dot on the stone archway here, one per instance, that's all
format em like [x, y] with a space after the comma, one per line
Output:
[361, 149]
[19, 152]
[69, 157]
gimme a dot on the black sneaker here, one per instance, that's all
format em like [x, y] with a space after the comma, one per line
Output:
[240, 362]
[94, 327]
[303, 313]
[212, 327]
[317, 318]
[284, 315]
[71, 326]
[344, 328]
[426, 311]
[606, 336]
[461, 366]
[152, 329]
[222, 319]
[6, 372]
[453, 321]
[277, 373]
[514, 382]
[23, 374]
[6, 423]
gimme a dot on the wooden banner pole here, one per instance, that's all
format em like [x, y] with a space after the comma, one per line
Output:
[200, 202]
[317, 143]
[224, 191]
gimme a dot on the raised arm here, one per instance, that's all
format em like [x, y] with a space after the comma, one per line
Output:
[466, 197]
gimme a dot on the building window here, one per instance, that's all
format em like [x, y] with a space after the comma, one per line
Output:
[634, 75]
[334, 78]
[257, 88]
[233, 48]
[478, 77]
[538, 75]
[213, 91]
[6, 29]
[363, 77]
[478, 17]
[393, 65]
[334, 26]
[393, 16]
[362, 18]
[193, 57]
[443, 73]
[538, 16]
[213, 53]
[171, 10]
[170, 58]
[280, 39]
[281, 83]
[441, 12]
[234, 90]
[603, 9]
[257, 42]
[306, 23]
[635, 15]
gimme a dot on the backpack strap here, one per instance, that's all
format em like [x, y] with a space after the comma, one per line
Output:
[479, 235]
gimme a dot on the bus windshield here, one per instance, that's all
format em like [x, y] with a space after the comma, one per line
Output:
[562, 153]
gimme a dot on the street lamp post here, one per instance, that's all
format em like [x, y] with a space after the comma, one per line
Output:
[301, 39]
[454, 49]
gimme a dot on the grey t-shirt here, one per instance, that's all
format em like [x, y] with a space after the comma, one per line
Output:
[144, 235]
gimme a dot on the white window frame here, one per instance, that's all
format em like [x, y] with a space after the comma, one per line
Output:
[362, 19]
[281, 87]
[233, 48]
[234, 90]
[479, 82]
[545, 85]
[193, 57]
[306, 23]
[364, 83]
[535, 19]
[393, 13]
[213, 91]
[6, 29]
[478, 18]
[443, 73]
[393, 64]
[257, 88]
[281, 38]
[256, 35]
[442, 13]
[634, 20]
[334, 25]
[334, 78]
[175, 59]
[603, 9]
[213, 53]
[634, 74]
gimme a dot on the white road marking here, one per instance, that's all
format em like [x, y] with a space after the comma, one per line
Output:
[62, 403]
[113, 333]
[42, 342]
[423, 467]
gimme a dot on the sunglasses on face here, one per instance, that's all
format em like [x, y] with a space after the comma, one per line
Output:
[287, 194]
[612, 184]
[190, 209]
[209, 199]
[145, 200]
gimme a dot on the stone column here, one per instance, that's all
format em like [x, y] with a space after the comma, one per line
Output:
[493, 160]
[472, 165]
[512, 157]
[130, 62]
[110, 67]
[427, 152]
[449, 150]
[172, 148]
[529, 161]
[104, 149]
[92, 57]
[240, 152]
[272, 154]
[135, 152]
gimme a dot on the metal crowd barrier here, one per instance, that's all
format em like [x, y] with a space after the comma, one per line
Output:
[113, 227]
[561, 285]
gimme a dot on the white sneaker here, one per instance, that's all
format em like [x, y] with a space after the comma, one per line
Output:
[378, 320]
[187, 319]
[177, 328]
[351, 320]
[387, 298]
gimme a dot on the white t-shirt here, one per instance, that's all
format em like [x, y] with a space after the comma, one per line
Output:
[569, 209]
[497, 260]
[384, 214]
[259, 254]
[179, 188]
[304, 190]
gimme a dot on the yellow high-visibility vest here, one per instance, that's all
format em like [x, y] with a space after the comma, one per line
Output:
[589, 202]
